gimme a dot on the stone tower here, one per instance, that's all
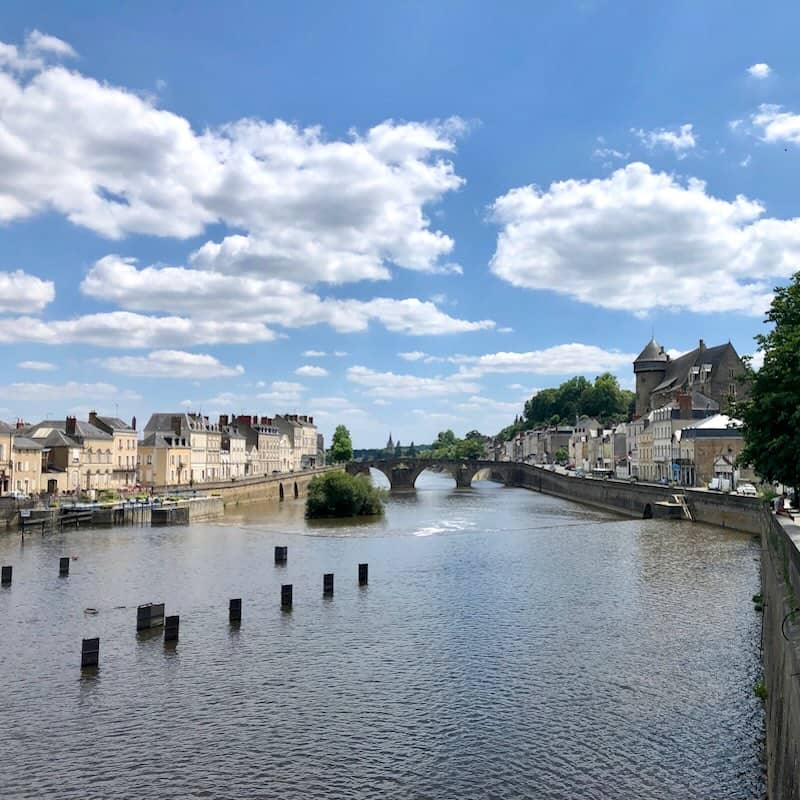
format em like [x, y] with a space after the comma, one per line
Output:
[649, 368]
[390, 446]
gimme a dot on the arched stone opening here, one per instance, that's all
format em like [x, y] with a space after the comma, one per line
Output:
[296, 492]
[280, 491]
[648, 512]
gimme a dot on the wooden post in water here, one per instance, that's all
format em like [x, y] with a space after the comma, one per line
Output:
[281, 554]
[171, 625]
[149, 616]
[327, 584]
[5, 575]
[286, 595]
[63, 566]
[235, 610]
[363, 574]
[90, 653]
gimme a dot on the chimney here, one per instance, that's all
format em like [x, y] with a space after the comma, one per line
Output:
[133, 423]
[70, 426]
[223, 420]
[685, 404]
[701, 346]
[20, 424]
[311, 420]
[93, 418]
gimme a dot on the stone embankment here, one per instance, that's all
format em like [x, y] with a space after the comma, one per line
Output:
[283, 486]
[780, 581]
[639, 499]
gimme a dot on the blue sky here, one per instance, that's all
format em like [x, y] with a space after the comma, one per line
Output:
[400, 216]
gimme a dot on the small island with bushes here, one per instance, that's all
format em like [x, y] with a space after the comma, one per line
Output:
[338, 494]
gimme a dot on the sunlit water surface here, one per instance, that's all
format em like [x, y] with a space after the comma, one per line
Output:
[509, 645]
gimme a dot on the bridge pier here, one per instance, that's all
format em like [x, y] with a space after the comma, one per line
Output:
[463, 477]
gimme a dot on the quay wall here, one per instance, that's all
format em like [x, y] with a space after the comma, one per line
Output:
[632, 499]
[780, 581]
[285, 486]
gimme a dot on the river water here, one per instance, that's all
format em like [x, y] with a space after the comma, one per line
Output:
[508, 645]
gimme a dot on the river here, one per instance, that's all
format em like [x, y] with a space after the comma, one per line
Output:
[508, 645]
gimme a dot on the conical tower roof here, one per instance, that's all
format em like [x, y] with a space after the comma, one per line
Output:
[653, 351]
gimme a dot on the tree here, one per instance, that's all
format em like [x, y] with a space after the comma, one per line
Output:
[341, 445]
[562, 455]
[398, 451]
[412, 451]
[337, 494]
[771, 415]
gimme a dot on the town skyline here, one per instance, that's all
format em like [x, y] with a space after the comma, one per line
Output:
[312, 228]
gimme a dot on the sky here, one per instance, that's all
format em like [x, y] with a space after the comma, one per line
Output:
[401, 216]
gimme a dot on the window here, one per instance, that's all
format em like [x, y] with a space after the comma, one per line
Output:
[730, 372]
[732, 389]
[120, 444]
[119, 461]
[149, 459]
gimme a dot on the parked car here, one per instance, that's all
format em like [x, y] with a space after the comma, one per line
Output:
[663, 481]
[747, 489]
[19, 495]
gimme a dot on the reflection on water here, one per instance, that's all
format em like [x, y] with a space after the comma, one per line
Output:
[508, 645]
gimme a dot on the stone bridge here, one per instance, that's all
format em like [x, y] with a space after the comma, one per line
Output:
[403, 472]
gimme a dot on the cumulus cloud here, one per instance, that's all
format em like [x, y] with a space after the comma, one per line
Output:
[562, 359]
[679, 141]
[759, 71]
[776, 125]
[415, 355]
[314, 353]
[302, 206]
[41, 366]
[310, 371]
[171, 364]
[392, 385]
[268, 300]
[124, 329]
[639, 240]
[66, 391]
[23, 293]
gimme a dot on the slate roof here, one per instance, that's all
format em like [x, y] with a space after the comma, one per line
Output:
[115, 423]
[5, 427]
[653, 351]
[159, 439]
[678, 368]
[83, 430]
[24, 443]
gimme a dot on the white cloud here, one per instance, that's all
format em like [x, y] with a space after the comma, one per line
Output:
[283, 394]
[273, 301]
[759, 71]
[609, 153]
[341, 353]
[390, 385]
[380, 401]
[41, 366]
[23, 293]
[562, 359]
[415, 355]
[171, 364]
[310, 371]
[505, 330]
[639, 240]
[314, 353]
[678, 141]
[745, 162]
[777, 125]
[303, 207]
[69, 390]
[123, 329]
[757, 360]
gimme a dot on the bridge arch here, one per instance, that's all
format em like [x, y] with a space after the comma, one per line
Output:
[402, 473]
[280, 491]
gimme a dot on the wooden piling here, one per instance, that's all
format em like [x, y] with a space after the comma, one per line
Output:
[171, 625]
[235, 610]
[63, 566]
[286, 595]
[363, 574]
[281, 554]
[90, 653]
[5, 575]
[149, 615]
[327, 584]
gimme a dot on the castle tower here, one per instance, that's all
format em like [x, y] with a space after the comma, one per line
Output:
[649, 367]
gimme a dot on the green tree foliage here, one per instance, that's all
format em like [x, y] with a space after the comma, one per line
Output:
[398, 450]
[561, 455]
[576, 397]
[447, 445]
[771, 416]
[341, 445]
[337, 494]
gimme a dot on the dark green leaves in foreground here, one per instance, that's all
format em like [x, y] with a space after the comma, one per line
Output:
[337, 494]
[771, 416]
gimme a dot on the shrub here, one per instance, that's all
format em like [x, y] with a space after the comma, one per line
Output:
[337, 494]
